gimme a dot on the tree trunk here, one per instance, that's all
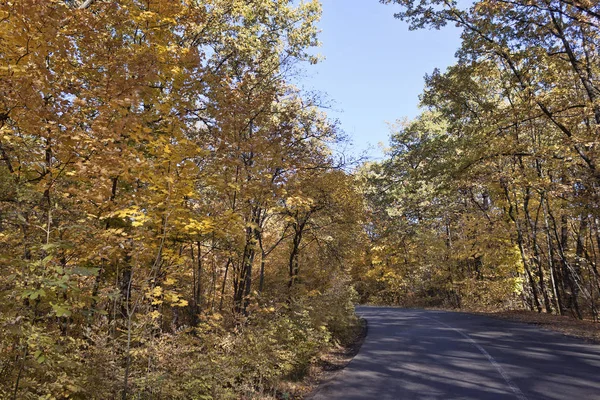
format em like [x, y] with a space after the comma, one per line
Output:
[521, 244]
[223, 285]
[551, 258]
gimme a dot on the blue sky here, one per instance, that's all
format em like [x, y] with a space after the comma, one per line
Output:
[374, 67]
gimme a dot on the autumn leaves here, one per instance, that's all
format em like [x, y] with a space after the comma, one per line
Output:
[489, 197]
[163, 185]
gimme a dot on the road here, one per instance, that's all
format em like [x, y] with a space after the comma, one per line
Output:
[426, 355]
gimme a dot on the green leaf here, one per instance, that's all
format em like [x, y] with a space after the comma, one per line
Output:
[86, 271]
[49, 246]
[47, 259]
[60, 310]
[39, 357]
[34, 294]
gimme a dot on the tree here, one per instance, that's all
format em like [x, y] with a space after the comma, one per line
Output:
[144, 145]
[516, 162]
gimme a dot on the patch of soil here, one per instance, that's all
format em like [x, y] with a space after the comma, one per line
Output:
[565, 324]
[327, 365]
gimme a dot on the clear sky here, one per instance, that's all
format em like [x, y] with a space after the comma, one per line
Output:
[374, 67]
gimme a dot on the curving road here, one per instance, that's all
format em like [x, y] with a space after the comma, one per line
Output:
[426, 355]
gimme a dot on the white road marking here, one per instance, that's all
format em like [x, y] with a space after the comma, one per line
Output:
[515, 389]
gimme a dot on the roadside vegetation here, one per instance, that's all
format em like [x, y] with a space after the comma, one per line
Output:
[173, 221]
[489, 199]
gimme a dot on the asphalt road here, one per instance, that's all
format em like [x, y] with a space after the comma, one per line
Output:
[417, 354]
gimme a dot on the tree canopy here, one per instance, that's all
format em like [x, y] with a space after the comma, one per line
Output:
[492, 191]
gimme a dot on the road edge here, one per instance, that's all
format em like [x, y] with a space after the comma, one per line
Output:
[325, 376]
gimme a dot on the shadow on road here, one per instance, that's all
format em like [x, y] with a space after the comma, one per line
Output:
[416, 354]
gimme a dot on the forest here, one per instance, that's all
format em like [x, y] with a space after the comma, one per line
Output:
[177, 220]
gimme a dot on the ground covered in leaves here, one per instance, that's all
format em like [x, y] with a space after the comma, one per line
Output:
[565, 324]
